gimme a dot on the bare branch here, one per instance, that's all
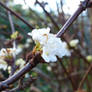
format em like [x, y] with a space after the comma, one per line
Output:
[18, 16]
[33, 62]
[83, 6]
[85, 76]
[14, 42]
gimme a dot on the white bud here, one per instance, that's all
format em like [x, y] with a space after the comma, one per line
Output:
[74, 43]
[89, 58]
[49, 68]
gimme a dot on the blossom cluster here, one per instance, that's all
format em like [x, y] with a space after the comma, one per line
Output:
[49, 44]
[7, 54]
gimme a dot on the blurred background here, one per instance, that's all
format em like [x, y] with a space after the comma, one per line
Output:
[62, 76]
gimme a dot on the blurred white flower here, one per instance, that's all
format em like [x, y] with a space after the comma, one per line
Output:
[50, 45]
[49, 68]
[20, 62]
[27, 45]
[74, 42]
[7, 53]
[27, 75]
[29, 40]
[19, 49]
[3, 64]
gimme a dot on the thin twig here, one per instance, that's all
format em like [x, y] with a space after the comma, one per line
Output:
[45, 77]
[18, 16]
[26, 84]
[85, 76]
[16, 25]
[14, 42]
[47, 13]
[81, 8]
[70, 21]
[68, 75]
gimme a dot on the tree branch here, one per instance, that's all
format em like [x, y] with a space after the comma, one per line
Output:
[26, 84]
[18, 16]
[68, 75]
[85, 76]
[13, 67]
[84, 5]
[33, 62]
[53, 21]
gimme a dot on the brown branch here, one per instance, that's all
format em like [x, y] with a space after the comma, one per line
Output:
[78, 52]
[5, 84]
[83, 6]
[48, 14]
[85, 76]
[33, 62]
[45, 77]
[14, 42]
[18, 16]
[26, 84]
[16, 25]
[68, 75]
[36, 15]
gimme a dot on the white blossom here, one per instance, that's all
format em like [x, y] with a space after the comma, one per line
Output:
[7, 53]
[50, 45]
[54, 47]
[40, 35]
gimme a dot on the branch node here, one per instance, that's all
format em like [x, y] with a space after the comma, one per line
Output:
[84, 4]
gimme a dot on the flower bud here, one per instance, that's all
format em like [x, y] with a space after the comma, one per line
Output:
[74, 43]
[89, 58]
